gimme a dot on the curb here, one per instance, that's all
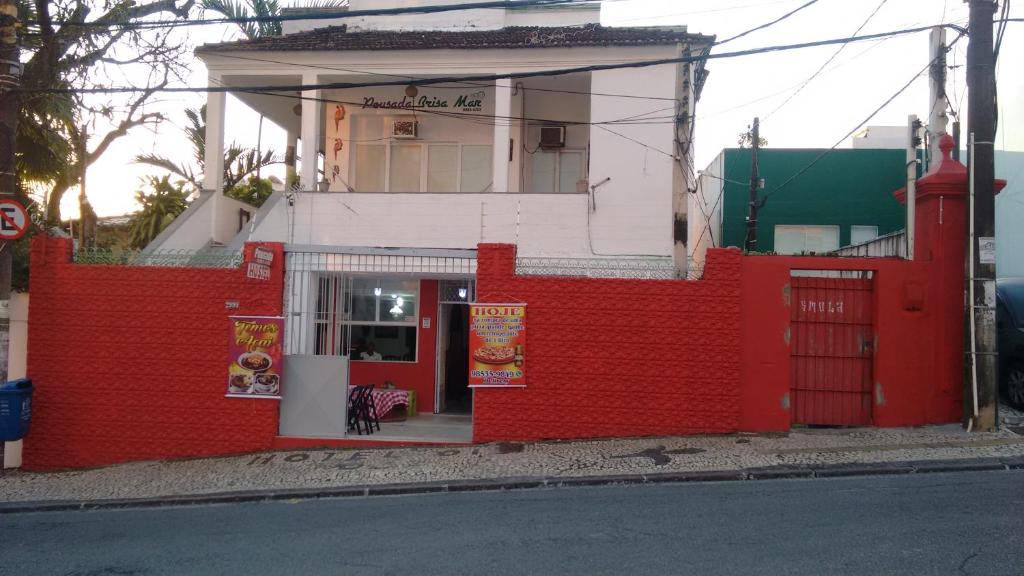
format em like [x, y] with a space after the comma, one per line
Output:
[500, 484]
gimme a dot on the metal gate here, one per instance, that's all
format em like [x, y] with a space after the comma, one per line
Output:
[831, 347]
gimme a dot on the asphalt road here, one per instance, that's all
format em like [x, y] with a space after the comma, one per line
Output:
[962, 523]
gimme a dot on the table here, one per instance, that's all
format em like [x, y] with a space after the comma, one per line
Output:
[386, 399]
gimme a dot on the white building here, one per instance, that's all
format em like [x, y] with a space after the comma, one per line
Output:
[398, 183]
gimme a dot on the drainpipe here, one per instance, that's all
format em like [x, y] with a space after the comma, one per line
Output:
[913, 125]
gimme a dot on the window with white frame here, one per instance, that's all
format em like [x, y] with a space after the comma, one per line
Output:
[790, 239]
[861, 234]
[557, 171]
[380, 165]
[366, 318]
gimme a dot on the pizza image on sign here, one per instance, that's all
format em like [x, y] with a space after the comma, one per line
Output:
[497, 345]
[495, 355]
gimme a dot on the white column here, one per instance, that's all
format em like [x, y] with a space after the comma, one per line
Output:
[213, 165]
[311, 121]
[502, 133]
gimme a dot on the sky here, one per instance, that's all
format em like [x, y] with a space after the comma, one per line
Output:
[862, 77]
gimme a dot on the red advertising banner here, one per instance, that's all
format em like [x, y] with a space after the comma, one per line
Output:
[254, 357]
[497, 345]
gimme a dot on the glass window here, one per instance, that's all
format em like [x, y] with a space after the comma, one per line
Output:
[543, 172]
[442, 168]
[369, 168]
[379, 322]
[861, 234]
[477, 167]
[405, 167]
[570, 170]
[802, 239]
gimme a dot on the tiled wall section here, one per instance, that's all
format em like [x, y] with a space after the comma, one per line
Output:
[130, 363]
[616, 357]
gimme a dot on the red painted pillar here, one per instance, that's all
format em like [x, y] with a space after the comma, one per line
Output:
[941, 238]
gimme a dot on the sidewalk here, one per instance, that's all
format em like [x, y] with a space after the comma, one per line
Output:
[368, 471]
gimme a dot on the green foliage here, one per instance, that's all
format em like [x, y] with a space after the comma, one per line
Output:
[239, 163]
[254, 191]
[257, 8]
[159, 208]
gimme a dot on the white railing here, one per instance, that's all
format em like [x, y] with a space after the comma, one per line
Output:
[892, 244]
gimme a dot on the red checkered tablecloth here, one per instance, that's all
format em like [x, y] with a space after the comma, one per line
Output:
[385, 400]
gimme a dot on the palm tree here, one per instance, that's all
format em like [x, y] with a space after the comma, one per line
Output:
[159, 208]
[258, 8]
[239, 162]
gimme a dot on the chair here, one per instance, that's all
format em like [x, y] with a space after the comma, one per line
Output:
[370, 416]
[356, 408]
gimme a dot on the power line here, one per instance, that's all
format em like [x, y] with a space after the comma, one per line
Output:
[827, 62]
[327, 15]
[767, 24]
[420, 79]
[857, 127]
[491, 77]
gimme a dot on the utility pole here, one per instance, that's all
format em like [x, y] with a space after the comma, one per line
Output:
[937, 102]
[10, 79]
[913, 141]
[755, 183]
[981, 80]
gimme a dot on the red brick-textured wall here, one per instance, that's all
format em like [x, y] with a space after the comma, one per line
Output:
[616, 357]
[130, 363]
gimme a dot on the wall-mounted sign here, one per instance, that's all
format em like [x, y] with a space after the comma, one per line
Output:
[254, 357]
[465, 102]
[258, 266]
[497, 345]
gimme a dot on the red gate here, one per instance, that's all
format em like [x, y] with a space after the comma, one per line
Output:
[831, 348]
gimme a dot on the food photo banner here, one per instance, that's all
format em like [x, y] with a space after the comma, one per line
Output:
[497, 345]
[254, 357]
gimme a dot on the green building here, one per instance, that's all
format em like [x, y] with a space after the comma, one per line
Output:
[844, 198]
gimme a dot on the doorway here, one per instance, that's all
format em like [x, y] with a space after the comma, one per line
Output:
[454, 395]
[832, 346]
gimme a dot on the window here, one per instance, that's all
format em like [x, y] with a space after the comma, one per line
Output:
[862, 234]
[477, 167]
[405, 167]
[556, 170]
[417, 166]
[369, 171]
[442, 168]
[802, 239]
[365, 318]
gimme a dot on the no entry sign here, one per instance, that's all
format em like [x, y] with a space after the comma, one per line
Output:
[13, 219]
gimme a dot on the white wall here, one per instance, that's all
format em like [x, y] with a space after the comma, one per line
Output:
[193, 231]
[705, 211]
[548, 224]
[634, 208]
[1010, 215]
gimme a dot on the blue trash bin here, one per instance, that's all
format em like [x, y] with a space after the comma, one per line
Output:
[15, 409]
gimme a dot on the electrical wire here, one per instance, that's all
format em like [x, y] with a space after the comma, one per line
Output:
[491, 77]
[418, 80]
[767, 24]
[827, 62]
[832, 148]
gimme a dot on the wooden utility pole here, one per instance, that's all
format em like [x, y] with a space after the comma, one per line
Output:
[981, 388]
[10, 78]
[755, 183]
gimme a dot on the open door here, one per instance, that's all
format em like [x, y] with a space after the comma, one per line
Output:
[458, 398]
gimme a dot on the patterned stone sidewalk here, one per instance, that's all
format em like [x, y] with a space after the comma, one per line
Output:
[310, 470]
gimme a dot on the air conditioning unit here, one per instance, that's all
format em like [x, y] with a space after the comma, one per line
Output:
[404, 127]
[552, 136]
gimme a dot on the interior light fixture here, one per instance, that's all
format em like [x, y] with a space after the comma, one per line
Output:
[376, 291]
[462, 293]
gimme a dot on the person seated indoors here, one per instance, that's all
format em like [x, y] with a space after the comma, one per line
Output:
[371, 353]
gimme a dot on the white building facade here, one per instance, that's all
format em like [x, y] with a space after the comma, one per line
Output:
[398, 176]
